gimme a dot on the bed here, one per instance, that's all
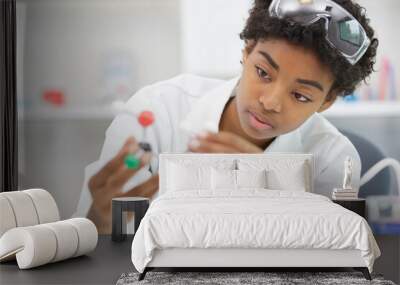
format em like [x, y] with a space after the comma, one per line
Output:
[246, 211]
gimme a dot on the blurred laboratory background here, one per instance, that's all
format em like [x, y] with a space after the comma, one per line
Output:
[76, 57]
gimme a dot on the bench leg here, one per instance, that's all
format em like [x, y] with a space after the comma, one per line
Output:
[364, 271]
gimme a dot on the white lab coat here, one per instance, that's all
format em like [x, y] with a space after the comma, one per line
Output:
[189, 104]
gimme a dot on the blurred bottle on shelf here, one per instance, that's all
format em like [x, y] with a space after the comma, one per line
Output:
[384, 90]
[54, 97]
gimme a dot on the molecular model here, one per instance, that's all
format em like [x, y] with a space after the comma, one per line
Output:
[145, 119]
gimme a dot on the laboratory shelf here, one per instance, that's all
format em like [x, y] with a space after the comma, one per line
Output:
[364, 109]
[339, 109]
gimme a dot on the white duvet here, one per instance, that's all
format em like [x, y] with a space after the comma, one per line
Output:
[252, 218]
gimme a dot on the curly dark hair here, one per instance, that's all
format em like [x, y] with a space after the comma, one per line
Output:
[260, 26]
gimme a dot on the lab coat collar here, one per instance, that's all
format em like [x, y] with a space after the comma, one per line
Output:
[289, 142]
[207, 112]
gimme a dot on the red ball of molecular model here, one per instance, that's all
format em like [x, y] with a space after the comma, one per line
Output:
[146, 118]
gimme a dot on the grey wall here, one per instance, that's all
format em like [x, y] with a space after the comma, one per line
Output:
[56, 155]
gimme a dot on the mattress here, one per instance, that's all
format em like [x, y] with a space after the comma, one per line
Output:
[250, 219]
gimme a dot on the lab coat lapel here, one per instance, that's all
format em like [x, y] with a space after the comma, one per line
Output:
[289, 142]
[207, 111]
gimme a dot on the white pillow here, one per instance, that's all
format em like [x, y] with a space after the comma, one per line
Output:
[281, 174]
[187, 177]
[223, 179]
[293, 180]
[251, 178]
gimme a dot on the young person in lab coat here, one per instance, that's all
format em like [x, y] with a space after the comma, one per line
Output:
[291, 72]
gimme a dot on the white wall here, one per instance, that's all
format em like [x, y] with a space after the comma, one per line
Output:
[210, 36]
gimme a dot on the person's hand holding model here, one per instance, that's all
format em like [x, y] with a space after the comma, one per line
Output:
[222, 142]
[109, 181]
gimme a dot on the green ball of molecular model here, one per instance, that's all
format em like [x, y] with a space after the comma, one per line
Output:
[131, 161]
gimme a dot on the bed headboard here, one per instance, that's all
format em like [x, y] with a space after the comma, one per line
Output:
[213, 159]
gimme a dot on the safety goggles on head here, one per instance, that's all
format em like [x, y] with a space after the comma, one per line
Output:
[343, 31]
